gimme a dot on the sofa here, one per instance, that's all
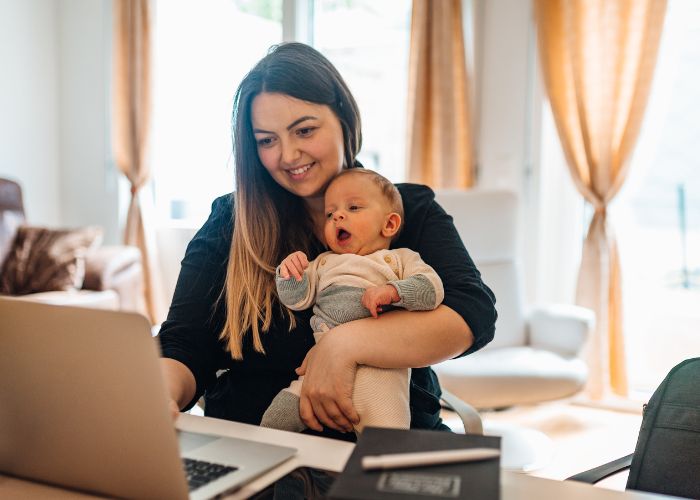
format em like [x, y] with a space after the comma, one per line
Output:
[109, 277]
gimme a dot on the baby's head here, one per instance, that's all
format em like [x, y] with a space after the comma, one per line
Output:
[363, 212]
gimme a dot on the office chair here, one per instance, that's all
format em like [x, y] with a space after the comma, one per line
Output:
[666, 458]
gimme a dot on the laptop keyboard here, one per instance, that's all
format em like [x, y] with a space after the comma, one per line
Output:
[200, 473]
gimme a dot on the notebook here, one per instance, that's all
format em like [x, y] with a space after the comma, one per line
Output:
[479, 479]
[83, 406]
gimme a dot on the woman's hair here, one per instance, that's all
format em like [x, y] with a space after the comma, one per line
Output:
[270, 222]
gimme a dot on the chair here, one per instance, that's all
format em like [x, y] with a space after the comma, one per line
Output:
[471, 421]
[113, 274]
[533, 357]
[666, 458]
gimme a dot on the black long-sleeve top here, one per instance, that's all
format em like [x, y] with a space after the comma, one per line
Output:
[242, 390]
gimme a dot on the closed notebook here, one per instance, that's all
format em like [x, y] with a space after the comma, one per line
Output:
[477, 479]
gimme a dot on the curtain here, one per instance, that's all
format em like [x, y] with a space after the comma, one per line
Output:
[131, 113]
[597, 59]
[439, 143]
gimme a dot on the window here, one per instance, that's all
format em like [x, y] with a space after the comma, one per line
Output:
[656, 215]
[368, 41]
[202, 50]
[561, 224]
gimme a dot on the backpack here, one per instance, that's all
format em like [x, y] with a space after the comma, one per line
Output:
[667, 456]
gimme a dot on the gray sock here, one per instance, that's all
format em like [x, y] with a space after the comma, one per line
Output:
[283, 413]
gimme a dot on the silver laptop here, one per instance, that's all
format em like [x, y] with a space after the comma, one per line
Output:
[83, 406]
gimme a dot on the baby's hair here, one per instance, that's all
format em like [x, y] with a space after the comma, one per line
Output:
[389, 191]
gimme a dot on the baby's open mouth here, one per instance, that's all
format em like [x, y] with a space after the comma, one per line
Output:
[342, 235]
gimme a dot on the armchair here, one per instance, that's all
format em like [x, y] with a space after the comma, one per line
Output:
[533, 357]
[113, 274]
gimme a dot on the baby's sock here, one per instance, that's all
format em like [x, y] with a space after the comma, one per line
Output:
[283, 413]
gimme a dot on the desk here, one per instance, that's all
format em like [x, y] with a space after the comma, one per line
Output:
[331, 455]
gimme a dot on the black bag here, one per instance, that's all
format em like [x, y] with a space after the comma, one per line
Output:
[667, 456]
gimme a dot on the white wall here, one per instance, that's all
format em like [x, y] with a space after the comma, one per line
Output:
[503, 87]
[54, 109]
[29, 142]
[508, 94]
[89, 180]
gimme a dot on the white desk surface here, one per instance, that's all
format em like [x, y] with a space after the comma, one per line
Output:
[331, 454]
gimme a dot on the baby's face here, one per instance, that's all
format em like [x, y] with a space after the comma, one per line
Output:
[356, 216]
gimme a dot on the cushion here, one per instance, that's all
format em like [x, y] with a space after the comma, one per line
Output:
[45, 260]
[10, 220]
[511, 376]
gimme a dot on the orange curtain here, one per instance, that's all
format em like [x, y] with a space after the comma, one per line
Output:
[131, 113]
[597, 59]
[439, 151]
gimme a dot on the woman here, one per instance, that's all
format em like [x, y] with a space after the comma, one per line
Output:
[295, 126]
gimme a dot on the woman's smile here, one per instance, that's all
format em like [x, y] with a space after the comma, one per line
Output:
[298, 173]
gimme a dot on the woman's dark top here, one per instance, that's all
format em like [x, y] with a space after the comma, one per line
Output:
[242, 390]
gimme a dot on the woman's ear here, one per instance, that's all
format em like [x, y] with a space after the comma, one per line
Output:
[391, 225]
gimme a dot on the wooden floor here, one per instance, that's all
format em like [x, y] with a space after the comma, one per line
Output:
[583, 437]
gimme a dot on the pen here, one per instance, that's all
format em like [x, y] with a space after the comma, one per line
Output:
[423, 458]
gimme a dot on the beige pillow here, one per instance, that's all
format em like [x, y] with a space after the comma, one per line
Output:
[46, 260]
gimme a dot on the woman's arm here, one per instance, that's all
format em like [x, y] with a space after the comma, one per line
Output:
[399, 339]
[403, 339]
[179, 384]
[189, 337]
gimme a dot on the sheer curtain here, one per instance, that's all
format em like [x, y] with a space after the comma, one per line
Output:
[597, 59]
[439, 140]
[131, 114]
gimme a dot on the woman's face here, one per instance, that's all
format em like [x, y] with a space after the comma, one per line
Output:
[299, 143]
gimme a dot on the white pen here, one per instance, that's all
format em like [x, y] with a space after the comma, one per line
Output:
[423, 458]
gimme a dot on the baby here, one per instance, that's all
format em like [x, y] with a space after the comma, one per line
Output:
[354, 280]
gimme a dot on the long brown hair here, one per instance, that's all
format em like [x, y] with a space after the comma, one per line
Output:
[270, 222]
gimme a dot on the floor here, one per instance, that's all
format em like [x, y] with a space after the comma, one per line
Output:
[582, 437]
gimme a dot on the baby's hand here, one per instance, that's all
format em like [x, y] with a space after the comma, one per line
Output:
[294, 265]
[377, 296]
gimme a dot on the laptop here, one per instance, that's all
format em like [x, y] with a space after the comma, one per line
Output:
[83, 406]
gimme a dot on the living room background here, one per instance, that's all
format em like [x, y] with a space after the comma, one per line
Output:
[55, 98]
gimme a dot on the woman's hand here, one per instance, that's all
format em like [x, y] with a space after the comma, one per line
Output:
[326, 393]
[180, 384]
[294, 265]
[174, 409]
